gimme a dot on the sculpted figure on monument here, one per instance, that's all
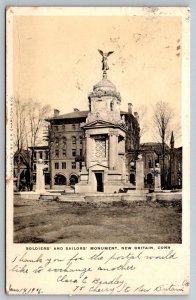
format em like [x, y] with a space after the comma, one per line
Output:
[105, 55]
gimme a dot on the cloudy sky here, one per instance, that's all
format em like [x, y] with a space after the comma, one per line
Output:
[56, 59]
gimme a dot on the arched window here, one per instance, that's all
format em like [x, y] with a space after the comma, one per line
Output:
[73, 179]
[73, 140]
[60, 179]
[112, 106]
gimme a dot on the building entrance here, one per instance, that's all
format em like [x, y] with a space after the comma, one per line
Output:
[59, 180]
[99, 179]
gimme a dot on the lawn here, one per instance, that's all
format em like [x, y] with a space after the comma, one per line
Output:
[116, 222]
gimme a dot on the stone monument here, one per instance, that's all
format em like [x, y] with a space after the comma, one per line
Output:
[40, 179]
[157, 178]
[139, 173]
[105, 133]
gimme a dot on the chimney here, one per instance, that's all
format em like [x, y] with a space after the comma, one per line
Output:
[136, 116]
[130, 105]
[76, 109]
[56, 112]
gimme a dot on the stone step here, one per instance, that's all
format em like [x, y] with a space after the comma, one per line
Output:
[134, 197]
[71, 198]
[49, 196]
[102, 197]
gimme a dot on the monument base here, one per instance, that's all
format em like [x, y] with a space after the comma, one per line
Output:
[49, 196]
[28, 195]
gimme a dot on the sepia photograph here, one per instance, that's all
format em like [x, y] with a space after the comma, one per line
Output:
[97, 151]
[97, 148]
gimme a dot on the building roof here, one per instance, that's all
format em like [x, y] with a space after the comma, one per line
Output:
[73, 115]
[104, 84]
[76, 115]
[153, 146]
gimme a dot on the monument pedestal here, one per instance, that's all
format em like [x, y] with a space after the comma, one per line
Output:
[139, 173]
[157, 179]
[40, 178]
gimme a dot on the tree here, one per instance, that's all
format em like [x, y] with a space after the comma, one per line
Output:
[142, 118]
[30, 121]
[163, 124]
[19, 124]
[37, 113]
[19, 134]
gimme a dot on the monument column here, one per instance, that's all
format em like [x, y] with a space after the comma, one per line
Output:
[88, 142]
[111, 151]
[115, 151]
[139, 173]
[40, 179]
[157, 178]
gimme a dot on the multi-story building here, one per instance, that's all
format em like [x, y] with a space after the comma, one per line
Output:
[152, 153]
[67, 147]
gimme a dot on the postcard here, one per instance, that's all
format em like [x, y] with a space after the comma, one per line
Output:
[97, 151]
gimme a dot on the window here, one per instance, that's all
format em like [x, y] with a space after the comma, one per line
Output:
[74, 126]
[64, 165]
[57, 141]
[112, 106]
[34, 154]
[55, 128]
[64, 141]
[80, 165]
[73, 165]
[40, 155]
[150, 163]
[57, 153]
[73, 140]
[64, 152]
[80, 152]
[81, 139]
[63, 127]
[73, 152]
[34, 167]
[89, 104]
[56, 166]
[47, 156]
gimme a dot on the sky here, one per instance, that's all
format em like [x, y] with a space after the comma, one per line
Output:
[56, 60]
